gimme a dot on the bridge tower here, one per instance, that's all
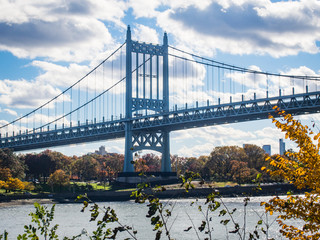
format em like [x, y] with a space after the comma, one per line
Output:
[147, 92]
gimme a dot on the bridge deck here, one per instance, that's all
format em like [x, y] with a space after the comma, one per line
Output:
[174, 120]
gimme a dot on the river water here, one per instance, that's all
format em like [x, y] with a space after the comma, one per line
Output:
[72, 222]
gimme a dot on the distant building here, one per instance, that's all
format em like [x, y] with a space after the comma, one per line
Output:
[267, 149]
[102, 151]
[282, 147]
[245, 144]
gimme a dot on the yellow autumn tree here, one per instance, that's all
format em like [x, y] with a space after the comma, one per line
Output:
[58, 178]
[14, 184]
[29, 186]
[303, 170]
[2, 184]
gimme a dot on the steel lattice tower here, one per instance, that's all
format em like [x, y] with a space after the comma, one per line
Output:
[136, 140]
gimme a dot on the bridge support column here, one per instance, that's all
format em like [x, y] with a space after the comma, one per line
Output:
[165, 160]
[128, 153]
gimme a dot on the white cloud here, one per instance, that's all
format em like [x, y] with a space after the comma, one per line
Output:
[146, 34]
[58, 75]
[246, 27]
[25, 94]
[201, 141]
[59, 30]
[10, 111]
[195, 151]
[142, 8]
[65, 39]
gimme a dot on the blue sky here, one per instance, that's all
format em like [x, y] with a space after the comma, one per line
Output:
[42, 40]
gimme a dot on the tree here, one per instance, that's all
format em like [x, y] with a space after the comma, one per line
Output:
[255, 156]
[147, 163]
[195, 164]
[10, 160]
[152, 161]
[14, 184]
[114, 164]
[86, 168]
[177, 164]
[2, 184]
[58, 178]
[240, 172]
[219, 162]
[303, 170]
[60, 160]
[29, 186]
[40, 166]
[5, 174]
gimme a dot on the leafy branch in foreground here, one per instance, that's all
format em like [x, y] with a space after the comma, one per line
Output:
[4, 235]
[109, 216]
[42, 217]
[158, 212]
[303, 170]
[215, 204]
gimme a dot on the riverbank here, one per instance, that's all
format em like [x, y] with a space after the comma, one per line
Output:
[99, 196]
[26, 202]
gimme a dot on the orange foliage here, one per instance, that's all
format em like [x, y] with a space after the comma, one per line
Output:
[303, 170]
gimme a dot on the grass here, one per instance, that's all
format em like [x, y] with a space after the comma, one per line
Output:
[205, 185]
[223, 184]
[95, 186]
[100, 187]
[17, 192]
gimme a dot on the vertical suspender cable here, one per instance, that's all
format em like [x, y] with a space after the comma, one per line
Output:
[112, 90]
[40, 117]
[192, 87]
[234, 86]
[157, 77]
[48, 120]
[279, 84]
[87, 100]
[103, 90]
[71, 105]
[78, 112]
[137, 75]
[95, 94]
[121, 92]
[219, 90]
[150, 62]
[267, 79]
[175, 80]
[223, 85]
[185, 81]
[212, 81]
[230, 83]
[207, 82]
[62, 110]
[144, 76]
[108, 96]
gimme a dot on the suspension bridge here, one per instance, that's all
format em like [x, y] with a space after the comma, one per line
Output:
[142, 92]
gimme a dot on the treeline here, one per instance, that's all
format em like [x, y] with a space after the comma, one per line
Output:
[227, 163]
[39, 167]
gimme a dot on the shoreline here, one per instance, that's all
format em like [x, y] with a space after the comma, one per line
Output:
[18, 202]
[105, 196]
